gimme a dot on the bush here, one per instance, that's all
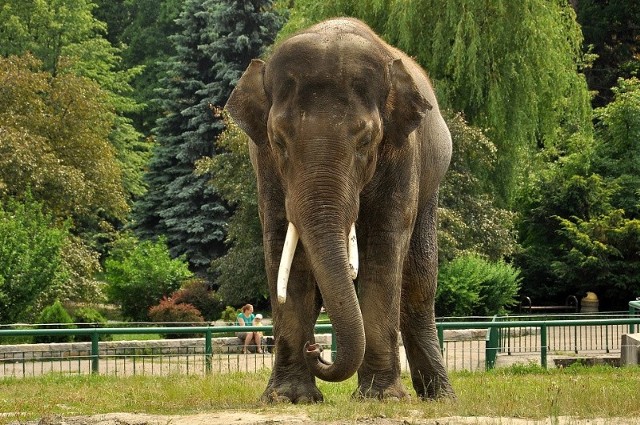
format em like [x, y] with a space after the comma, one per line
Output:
[197, 293]
[472, 286]
[229, 315]
[171, 313]
[87, 317]
[55, 314]
[30, 257]
[140, 274]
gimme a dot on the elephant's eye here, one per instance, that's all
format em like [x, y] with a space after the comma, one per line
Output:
[363, 143]
[280, 145]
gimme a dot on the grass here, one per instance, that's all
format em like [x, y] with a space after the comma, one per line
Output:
[136, 337]
[519, 391]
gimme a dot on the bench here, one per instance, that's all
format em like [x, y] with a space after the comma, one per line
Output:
[570, 306]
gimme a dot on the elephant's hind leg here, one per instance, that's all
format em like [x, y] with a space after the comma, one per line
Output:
[417, 317]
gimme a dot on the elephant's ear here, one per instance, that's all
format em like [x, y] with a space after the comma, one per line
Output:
[405, 106]
[248, 104]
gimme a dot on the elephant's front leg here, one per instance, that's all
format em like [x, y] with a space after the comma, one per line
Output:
[379, 293]
[293, 324]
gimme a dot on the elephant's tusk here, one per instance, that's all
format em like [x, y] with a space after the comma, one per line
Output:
[289, 248]
[352, 247]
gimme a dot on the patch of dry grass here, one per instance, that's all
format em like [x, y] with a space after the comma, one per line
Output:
[520, 391]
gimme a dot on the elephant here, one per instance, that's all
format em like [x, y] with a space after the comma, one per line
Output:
[349, 148]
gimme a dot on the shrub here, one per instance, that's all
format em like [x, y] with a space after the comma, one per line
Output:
[472, 286]
[171, 313]
[30, 257]
[229, 315]
[87, 317]
[140, 274]
[58, 315]
[197, 293]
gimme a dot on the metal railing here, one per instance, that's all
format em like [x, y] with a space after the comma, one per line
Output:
[634, 310]
[469, 345]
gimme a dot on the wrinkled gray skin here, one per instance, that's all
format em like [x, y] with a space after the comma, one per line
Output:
[346, 129]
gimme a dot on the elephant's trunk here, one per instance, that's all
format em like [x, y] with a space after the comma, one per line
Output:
[328, 255]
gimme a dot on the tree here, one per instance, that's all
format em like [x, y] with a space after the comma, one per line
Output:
[612, 33]
[470, 221]
[581, 232]
[216, 42]
[46, 28]
[66, 38]
[54, 139]
[491, 61]
[241, 271]
[617, 153]
[143, 28]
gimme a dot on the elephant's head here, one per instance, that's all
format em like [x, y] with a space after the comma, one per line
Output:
[327, 109]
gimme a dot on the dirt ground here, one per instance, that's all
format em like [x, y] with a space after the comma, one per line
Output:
[236, 417]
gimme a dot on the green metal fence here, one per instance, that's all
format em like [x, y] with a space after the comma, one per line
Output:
[469, 345]
[634, 310]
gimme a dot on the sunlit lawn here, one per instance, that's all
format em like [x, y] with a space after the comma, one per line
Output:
[519, 391]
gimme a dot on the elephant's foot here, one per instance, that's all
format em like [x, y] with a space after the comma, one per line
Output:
[433, 388]
[372, 389]
[292, 392]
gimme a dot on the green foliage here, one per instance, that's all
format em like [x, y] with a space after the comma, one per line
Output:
[87, 317]
[489, 60]
[55, 314]
[241, 272]
[579, 227]
[140, 274]
[197, 293]
[611, 30]
[469, 219]
[472, 286]
[55, 141]
[66, 38]
[144, 27]
[214, 44]
[601, 255]
[617, 154]
[47, 28]
[229, 314]
[31, 259]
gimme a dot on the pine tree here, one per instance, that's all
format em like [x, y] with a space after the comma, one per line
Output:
[217, 39]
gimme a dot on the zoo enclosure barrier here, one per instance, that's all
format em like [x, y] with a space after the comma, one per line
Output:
[481, 347]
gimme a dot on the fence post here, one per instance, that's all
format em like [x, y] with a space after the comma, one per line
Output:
[492, 342]
[543, 346]
[95, 352]
[208, 350]
[440, 327]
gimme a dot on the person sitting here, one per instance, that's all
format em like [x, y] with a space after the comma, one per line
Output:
[246, 318]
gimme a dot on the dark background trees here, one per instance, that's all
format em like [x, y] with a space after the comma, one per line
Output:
[611, 30]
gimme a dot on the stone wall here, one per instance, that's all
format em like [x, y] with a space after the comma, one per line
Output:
[34, 352]
[630, 349]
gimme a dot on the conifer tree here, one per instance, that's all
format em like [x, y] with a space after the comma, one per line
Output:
[217, 39]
